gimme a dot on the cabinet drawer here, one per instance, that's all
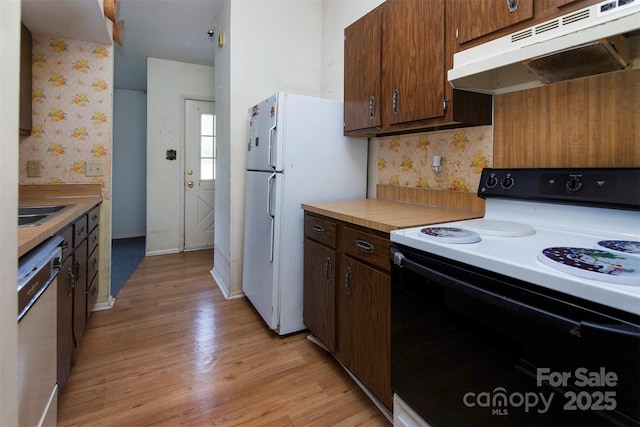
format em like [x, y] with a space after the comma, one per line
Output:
[92, 265]
[67, 243]
[320, 230]
[367, 247]
[94, 238]
[80, 230]
[94, 217]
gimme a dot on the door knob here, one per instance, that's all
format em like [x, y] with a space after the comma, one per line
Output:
[190, 184]
[189, 172]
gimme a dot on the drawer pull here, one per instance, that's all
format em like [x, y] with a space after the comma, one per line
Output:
[94, 217]
[364, 246]
[318, 229]
[94, 261]
[80, 231]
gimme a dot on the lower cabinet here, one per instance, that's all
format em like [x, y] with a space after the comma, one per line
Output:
[320, 292]
[364, 335]
[347, 298]
[80, 292]
[65, 343]
[77, 288]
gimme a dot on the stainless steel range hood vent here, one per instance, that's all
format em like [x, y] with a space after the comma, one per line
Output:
[598, 39]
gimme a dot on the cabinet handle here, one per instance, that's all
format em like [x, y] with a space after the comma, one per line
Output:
[71, 281]
[372, 107]
[80, 231]
[396, 96]
[93, 291]
[95, 238]
[94, 217]
[78, 269]
[512, 5]
[327, 268]
[365, 247]
[66, 244]
[318, 229]
[347, 281]
[94, 261]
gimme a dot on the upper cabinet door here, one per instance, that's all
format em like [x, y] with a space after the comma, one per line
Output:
[413, 60]
[480, 21]
[362, 44]
[478, 18]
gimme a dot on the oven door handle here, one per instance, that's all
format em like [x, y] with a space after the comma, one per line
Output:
[556, 321]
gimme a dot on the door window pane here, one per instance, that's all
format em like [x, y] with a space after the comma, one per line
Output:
[206, 169]
[207, 147]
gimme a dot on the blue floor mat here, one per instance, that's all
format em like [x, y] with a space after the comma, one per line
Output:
[126, 255]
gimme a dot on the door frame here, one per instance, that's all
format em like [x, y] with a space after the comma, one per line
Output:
[181, 155]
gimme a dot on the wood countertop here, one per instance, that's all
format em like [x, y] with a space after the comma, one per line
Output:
[386, 215]
[30, 237]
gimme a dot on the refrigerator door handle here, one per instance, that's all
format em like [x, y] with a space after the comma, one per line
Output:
[271, 129]
[272, 177]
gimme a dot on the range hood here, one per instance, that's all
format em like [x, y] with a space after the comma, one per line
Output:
[601, 38]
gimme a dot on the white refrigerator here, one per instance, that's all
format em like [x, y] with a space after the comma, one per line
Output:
[297, 153]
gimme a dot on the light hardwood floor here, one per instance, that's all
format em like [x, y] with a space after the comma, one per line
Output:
[174, 352]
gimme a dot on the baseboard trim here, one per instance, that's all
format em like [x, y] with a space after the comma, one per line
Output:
[127, 236]
[223, 287]
[106, 305]
[162, 252]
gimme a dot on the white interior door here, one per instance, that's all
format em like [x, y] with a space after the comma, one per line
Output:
[199, 177]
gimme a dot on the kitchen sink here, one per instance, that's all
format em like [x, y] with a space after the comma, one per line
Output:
[40, 210]
[30, 219]
[30, 216]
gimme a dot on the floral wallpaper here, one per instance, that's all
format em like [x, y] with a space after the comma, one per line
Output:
[72, 112]
[406, 160]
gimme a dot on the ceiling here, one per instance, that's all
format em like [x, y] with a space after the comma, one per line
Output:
[175, 30]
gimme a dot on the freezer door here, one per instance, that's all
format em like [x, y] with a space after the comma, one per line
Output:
[262, 145]
[260, 270]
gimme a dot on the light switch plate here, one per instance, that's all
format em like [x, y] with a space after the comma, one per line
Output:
[94, 169]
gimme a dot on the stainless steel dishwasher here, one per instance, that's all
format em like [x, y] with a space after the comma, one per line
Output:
[37, 334]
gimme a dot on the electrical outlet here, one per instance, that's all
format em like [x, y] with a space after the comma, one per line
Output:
[94, 169]
[34, 168]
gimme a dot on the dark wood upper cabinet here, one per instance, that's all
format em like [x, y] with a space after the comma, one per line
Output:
[413, 74]
[362, 77]
[395, 73]
[25, 82]
[479, 21]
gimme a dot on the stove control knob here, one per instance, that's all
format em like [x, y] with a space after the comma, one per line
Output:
[574, 184]
[507, 182]
[492, 181]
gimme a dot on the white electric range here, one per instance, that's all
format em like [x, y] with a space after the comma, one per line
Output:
[514, 232]
[546, 285]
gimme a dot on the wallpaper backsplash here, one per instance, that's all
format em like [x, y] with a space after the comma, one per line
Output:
[72, 112]
[406, 160]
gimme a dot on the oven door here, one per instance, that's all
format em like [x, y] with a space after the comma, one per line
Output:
[474, 348]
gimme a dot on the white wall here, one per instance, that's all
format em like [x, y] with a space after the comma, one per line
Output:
[169, 84]
[278, 45]
[129, 164]
[336, 16]
[9, 99]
